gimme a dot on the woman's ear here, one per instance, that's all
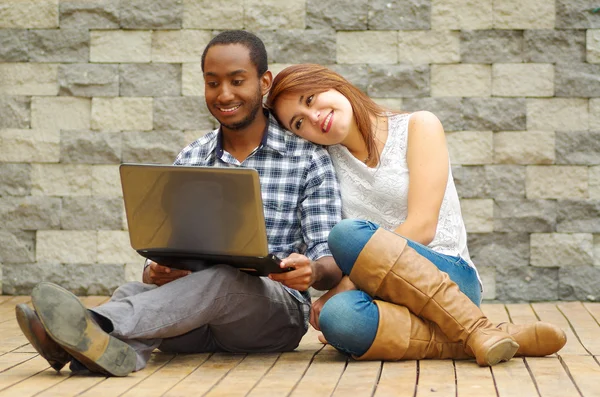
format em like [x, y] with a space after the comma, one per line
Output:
[266, 80]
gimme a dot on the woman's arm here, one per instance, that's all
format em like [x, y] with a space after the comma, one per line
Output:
[427, 158]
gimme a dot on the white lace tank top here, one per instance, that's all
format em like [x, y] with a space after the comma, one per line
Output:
[380, 194]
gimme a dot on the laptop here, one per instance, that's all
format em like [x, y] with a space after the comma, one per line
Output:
[192, 217]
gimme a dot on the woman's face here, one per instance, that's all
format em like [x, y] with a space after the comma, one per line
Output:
[325, 118]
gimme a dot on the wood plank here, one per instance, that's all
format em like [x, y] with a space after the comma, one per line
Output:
[10, 360]
[4, 298]
[72, 386]
[586, 373]
[521, 313]
[398, 379]
[22, 371]
[117, 386]
[550, 376]
[168, 376]
[284, 375]
[496, 312]
[472, 380]
[594, 309]
[207, 375]
[7, 310]
[359, 379]
[436, 378]
[36, 383]
[323, 374]
[93, 301]
[584, 325]
[513, 379]
[549, 312]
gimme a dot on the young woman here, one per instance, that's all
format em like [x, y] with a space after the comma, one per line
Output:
[403, 246]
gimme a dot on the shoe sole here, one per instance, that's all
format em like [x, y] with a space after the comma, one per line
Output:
[503, 350]
[67, 322]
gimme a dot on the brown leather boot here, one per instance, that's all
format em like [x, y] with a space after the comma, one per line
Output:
[389, 269]
[536, 340]
[403, 336]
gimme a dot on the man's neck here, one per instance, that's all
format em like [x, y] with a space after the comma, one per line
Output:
[241, 143]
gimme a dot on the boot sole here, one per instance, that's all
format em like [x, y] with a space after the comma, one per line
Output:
[502, 350]
[68, 323]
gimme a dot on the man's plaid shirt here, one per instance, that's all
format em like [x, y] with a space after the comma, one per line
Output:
[300, 192]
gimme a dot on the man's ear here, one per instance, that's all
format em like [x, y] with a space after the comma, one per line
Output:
[266, 80]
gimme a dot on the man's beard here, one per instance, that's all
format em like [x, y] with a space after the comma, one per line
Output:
[255, 106]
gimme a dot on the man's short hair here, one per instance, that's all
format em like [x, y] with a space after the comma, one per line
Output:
[258, 53]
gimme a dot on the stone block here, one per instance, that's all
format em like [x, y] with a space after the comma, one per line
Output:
[556, 182]
[30, 213]
[29, 14]
[428, 46]
[21, 146]
[88, 80]
[339, 15]
[499, 249]
[106, 181]
[471, 181]
[183, 113]
[391, 104]
[470, 147]
[578, 216]
[61, 180]
[576, 14]
[488, 279]
[192, 79]
[461, 14]
[592, 45]
[399, 14]
[578, 147]
[152, 147]
[356, 74]
[495, 114]
[274, 14]
[558, 114]
[93, 14]
[594, 182]
[14, 111]
[114, 247]
[153, 79]
[526, 283]
[594, 111]
[28, 79]
[134, 271]
[448, 110]
[90, 147]
[579, 283]
[116, 46]
[478, 215]
[597, 250]
[551, 46]
[13, 45]
[491, 46]
[60, 113]
[208, 14]
[517, 80]
[66, 246]
[179, 46]
[300, 46]
[17, 246]
[90, 212]
[15, 180]
[524, 147]
[506, 181]
[577, 80]
[59, 45]
[122, 114]
[392, 81]
[151, 14]
[561, 250]
[372, 47]
[517, 215]
[461, 80]
[524, 14]
[80, 279]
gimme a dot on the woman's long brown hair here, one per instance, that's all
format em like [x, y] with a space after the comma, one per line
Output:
[311, 79]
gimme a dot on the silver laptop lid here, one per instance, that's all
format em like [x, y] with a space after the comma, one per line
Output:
[204, 210]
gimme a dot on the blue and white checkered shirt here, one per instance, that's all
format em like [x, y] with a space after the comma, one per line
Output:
[300, 192]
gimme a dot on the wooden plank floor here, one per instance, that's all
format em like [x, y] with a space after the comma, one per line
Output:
[316, 370]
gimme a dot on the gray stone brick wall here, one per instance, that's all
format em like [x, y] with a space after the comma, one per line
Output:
[88, 84]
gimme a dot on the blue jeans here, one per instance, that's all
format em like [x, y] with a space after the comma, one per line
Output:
[349, 320]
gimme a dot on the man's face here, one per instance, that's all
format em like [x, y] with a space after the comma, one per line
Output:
[232, 88]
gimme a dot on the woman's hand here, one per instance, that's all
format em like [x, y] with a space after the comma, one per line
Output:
[344, 285]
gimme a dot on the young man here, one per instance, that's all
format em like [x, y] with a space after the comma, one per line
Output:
[218, 308]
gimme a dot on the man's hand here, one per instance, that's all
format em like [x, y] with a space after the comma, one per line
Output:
[160, 275]
[303, 275]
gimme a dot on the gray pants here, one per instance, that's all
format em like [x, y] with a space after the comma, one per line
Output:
[216, 309]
